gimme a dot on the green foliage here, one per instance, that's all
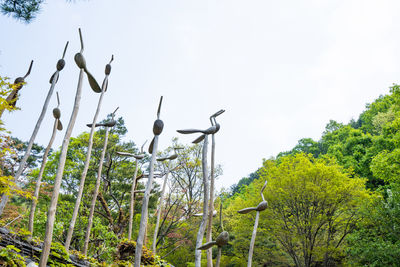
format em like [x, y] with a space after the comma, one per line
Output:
[24, 10]
[312, 205]
[9, 256]
[376, 242]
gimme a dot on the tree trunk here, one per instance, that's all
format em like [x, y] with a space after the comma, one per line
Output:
[39, 179]
[95, 193]
[57, 183]
[83, 176]
[202, 228]
[160, 207]
[132, 204]
[211, 205]
[145, 204]
[21, 167]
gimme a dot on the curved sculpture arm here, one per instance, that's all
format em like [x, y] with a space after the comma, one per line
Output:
[247, 210]
[159, 108]
[216, 114]
[141, 149]
[172, 157]
[29, 70]
[190, 131]
[199, 139]
[65, 49]
[201, 214]
[207, 245]
[262, 189]
[81, 39]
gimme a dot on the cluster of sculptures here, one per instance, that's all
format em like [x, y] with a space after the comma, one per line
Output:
[208, 211]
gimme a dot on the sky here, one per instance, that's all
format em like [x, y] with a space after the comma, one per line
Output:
[280, 69]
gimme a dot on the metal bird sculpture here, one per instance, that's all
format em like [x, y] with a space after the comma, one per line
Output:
[158, 126]
[82, 65]
[260, 207]
[222, 240]
[18, 84]
[211, 130]
[157, 130]
[60, 170]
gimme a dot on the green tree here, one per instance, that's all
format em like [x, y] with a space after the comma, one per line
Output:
[376, 240]
[313, 205]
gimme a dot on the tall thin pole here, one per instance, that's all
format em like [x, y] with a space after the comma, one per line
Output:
[202, 228]
[157, 129]
[211, 205]
[132, 203]
[95, 193]
[61, 164]
[160, 207]
[86, 166]
[39, 179]
[253, 240]
[145, 204]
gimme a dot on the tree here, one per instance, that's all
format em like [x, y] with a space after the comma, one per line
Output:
[376, 239]
[313, 205]
[24, 10]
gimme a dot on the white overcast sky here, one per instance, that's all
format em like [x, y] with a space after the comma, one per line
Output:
[280, 69]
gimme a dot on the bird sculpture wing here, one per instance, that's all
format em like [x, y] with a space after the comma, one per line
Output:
[126, 154]
[199, 139]
[52, 77]
[247, 210]
[59, 125]
[190, 131]
[151, 146]
[92, 82]
[207, 245]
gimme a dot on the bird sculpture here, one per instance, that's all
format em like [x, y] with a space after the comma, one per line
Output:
[211, 130]
[81, 63]
[260, 207]
[18, 84]
[222, 240]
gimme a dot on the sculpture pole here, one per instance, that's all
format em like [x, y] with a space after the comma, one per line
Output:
[57, 126]
[97, 186]
[87, 161]
[211, 203]
[61, 164]
[132, 202]
[202, 228]
[160, 205]
[53, 81]
[206, 211]
[133, 188]
[157, 129]
[261, 206]
[221, 240]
